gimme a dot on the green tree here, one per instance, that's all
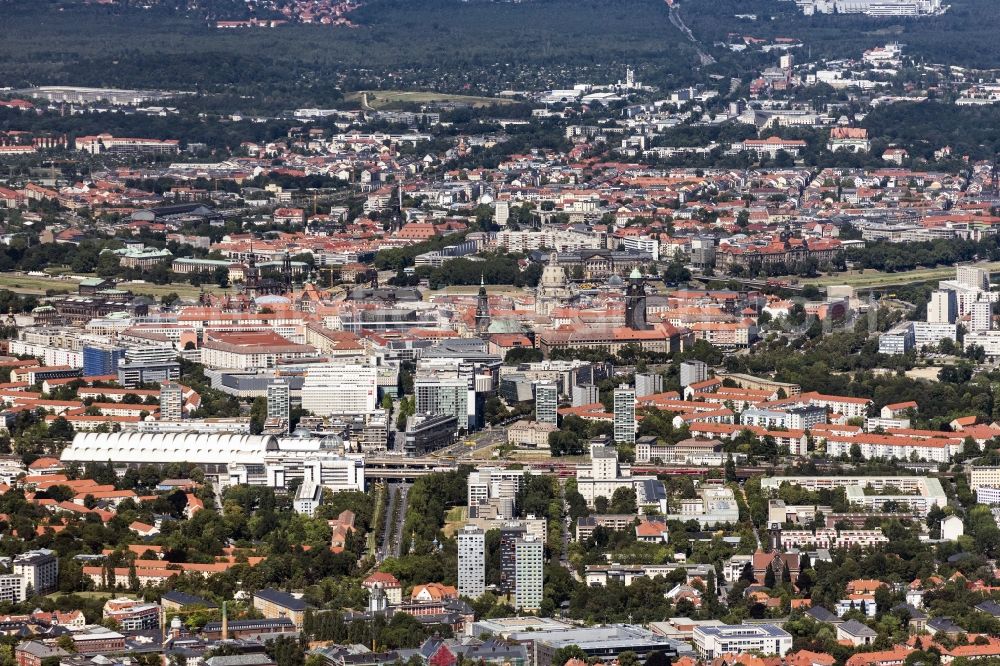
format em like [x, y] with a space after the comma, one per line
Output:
[564, 654]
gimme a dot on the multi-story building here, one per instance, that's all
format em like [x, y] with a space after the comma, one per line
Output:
[829, 538]
[307, 497]
[101, 361]
[471, 562]
[106, 143]
[920, 493]
[942, 308]
[648, 383]
[602, 644]
[450, 393]
[624, 403]
[585, 394]
[693, 372]
[40, 570]
[715, 505]
[712, 642]
[171, 401]
[510, 534]
[980, 316]
[274, 604]
[546, 402]
[11, 588]
[250, 350]
[530, 434]
[429, 432]
[130, 375]
[795, 418]
[984, 475]
[132, 615]
[340, 389]
[279, 401]
[493, 485]
[529, 562]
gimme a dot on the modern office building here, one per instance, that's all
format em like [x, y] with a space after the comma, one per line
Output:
[101, 361]
[712, 642]
[529, 560]
[450, 393]
[624, 401]
[546, 402]
[130, 375]
[171, 401]
[471, 562]
[340, 389]
[428, 432]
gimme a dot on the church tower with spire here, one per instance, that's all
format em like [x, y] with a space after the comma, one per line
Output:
[635, 302]
[482, 310]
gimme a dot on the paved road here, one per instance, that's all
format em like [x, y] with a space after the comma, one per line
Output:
[391, 541]
[564, 558]
[678, 22]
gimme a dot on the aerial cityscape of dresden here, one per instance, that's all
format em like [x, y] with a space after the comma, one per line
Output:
[499, 333]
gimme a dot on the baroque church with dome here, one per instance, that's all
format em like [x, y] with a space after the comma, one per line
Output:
[553, 288]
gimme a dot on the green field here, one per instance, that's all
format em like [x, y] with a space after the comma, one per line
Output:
[871, 279]
[38, 286]
[380, 99]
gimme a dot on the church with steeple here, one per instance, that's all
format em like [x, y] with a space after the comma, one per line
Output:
[635, 302]
[482, 310]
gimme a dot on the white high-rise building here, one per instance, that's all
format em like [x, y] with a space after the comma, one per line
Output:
[471, 562]
[942, 308]
[278, 400]
[625, 414]
[341, 388]
[171, 401]
[973, 277]
[529, 561]
[502, 213]
[546, 402]
[980, 316]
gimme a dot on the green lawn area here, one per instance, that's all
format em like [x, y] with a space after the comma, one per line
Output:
[870, 279]
[92, 595]
[378, 99]
[453, 520]
[37, 286]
